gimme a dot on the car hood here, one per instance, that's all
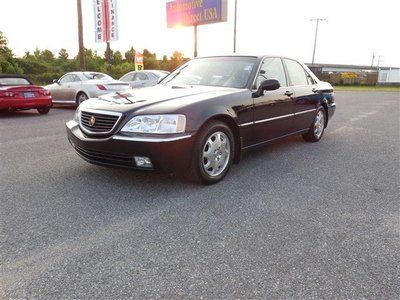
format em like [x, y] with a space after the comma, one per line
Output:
[156, 97]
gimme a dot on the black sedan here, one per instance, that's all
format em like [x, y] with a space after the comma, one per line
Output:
[203, 115]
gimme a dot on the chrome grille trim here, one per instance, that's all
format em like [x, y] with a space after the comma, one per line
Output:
[105, 124]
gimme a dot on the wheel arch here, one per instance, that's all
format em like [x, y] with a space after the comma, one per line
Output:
[77, 95]
[230, 122]
[324, 104]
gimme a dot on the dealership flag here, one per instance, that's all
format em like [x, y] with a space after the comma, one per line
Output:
[106, 22]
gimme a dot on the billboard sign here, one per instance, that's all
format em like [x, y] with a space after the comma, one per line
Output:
[139, 61]
[196, 12]
[105, 20]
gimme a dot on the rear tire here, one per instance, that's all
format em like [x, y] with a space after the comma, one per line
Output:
[81, 97]
[317, 127]
[43, 110]
[213, 153]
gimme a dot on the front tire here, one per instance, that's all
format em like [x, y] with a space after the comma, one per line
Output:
[214, 150]
[317, 128]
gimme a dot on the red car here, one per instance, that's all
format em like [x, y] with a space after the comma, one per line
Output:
[17, 92]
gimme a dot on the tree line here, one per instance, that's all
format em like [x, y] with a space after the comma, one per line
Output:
[42, 66]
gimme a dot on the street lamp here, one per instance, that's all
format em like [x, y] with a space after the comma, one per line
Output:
[234, 28]
[316, 33]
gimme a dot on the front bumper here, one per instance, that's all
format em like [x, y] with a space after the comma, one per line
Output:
[167, 154]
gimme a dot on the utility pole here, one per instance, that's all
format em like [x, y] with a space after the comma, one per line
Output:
[373, 59]
[109, 62]
[316, 33]
[379, 61]
[82, 64]
[234, 28]
[195, 40]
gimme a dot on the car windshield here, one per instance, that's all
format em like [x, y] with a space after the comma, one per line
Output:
[214, 71]
[160, 73]
[101, 76]
[6, 81]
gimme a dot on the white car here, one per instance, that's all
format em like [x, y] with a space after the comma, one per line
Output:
[76, 87]
[145, 78]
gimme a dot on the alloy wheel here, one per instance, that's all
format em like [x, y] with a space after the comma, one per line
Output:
[216, 154]
[319, 124]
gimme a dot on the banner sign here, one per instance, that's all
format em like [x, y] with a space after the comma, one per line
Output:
[348, 75]
[105, 20]
[139, 61]
[196, 12]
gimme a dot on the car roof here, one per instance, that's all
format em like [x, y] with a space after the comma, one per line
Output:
[259, 56]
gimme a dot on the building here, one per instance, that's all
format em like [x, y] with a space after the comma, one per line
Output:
[355, 75]
[389, 76]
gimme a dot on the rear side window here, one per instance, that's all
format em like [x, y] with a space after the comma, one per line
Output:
[272, 68]
[297, 74]
[128, 77]
[13, 81]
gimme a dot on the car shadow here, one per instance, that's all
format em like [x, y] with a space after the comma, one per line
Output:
[251, 161]
[19, 114]
[12, 114]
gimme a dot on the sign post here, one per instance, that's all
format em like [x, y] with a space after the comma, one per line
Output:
[106, 24]
[194, 13]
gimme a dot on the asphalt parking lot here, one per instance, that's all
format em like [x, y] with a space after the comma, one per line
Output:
[292, 220]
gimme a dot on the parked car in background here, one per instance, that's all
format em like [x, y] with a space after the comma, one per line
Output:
[17, 92]
[76, 87]
[145, 78]
[202, 116]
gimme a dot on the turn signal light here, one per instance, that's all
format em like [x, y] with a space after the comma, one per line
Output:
[101, 87]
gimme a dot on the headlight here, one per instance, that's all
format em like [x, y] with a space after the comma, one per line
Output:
[76, 115]
[157, 124]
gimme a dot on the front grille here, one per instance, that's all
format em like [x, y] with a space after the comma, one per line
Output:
[98, 122]
[106, 157]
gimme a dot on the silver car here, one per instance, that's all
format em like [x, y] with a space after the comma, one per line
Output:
[76, 87]
[145, 78]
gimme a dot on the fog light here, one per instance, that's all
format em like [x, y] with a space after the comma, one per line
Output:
[143, 162]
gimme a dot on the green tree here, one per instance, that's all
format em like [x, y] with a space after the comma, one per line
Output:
[7, 62]
[63, 54]
[130, 55]
[150, 60]
[42, 65]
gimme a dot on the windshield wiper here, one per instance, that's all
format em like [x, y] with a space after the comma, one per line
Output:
[123, 96]
[176, 74]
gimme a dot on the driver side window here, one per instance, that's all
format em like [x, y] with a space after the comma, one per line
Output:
[272, 68]
[66, 79]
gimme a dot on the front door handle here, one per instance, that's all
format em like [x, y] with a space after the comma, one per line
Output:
[288, 93]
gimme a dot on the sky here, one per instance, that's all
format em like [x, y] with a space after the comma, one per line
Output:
[352, 32]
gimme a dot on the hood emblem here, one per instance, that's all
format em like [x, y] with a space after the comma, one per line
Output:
[92, 121]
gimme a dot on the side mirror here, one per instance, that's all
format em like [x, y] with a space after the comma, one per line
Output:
[267, 85]
[55, 81]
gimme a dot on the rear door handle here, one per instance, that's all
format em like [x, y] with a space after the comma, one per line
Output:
[288, 93]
